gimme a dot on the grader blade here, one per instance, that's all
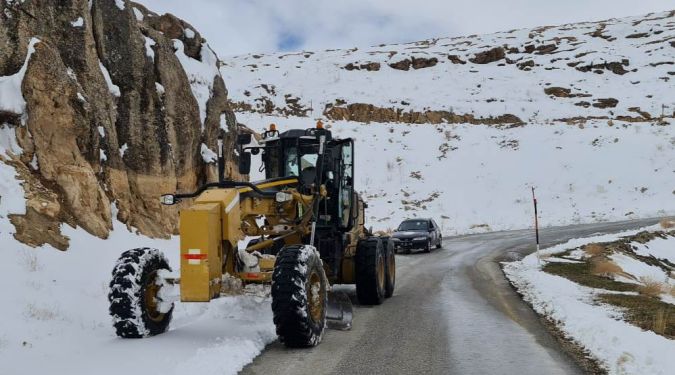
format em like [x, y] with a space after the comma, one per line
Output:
[339, 311]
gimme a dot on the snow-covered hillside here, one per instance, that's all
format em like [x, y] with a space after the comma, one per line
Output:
[613, 69]
[460, 128]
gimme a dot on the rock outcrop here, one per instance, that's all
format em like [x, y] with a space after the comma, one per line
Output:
[366, 113]
[119, 104]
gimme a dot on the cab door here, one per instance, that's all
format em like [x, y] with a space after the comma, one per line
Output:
[346, 184]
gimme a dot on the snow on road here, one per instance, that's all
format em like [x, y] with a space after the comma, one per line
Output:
[620, 347]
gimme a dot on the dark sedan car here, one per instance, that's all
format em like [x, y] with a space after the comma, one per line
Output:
[417, 234]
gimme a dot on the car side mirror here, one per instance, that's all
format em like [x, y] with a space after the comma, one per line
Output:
[245, 163]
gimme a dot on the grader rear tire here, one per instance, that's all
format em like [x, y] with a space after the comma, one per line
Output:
[370, 271]
[299, 296]
[133, 294]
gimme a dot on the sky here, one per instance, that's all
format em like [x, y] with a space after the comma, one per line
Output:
[236, 27]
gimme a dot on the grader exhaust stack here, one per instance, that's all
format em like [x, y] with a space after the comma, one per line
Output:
[309, 233]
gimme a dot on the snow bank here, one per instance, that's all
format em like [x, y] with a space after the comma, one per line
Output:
[621, 347]
[660, 248]
[55, 309]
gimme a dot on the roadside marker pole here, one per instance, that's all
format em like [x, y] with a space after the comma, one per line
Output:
[536, 224]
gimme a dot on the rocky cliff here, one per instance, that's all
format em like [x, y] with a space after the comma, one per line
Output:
[106, 105]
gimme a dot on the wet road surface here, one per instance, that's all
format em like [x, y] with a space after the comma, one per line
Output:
[453, 312]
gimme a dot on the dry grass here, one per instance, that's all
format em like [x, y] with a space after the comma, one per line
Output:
[650, 288]
[604, 267]
[594, 249]
[660, 323]
[667, 223]
[582, 273]
[645, 312]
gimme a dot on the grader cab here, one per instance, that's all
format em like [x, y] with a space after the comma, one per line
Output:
[307, 225]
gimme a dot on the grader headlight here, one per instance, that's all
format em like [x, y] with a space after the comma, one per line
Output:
[283, 197]
[168, 200]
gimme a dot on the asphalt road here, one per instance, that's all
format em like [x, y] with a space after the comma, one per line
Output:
[453, 312]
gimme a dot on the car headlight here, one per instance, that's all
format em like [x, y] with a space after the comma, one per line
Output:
[395, 239]
[419, 239]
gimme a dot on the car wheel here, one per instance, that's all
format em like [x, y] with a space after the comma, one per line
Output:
[427, 249]
[440, 243]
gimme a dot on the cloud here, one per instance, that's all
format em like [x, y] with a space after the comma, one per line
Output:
[235, 27]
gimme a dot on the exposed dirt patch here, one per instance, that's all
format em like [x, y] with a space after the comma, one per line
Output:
[369, 66]
[415, 63]
[363, 112]
[455, 59]
[526, 65]
[401, 65]
[605, 103]
[422, 62]
[616, 67]
[491, 55]
[562, 92]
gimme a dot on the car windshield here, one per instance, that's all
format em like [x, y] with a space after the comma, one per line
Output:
[414, 225]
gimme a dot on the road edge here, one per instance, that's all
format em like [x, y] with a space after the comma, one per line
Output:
[580, 355]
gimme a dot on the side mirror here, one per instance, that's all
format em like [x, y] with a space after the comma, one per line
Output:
[168, 200]
[244, 139]
[245, 163]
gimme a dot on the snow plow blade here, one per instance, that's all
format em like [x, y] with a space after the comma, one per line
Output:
[339, 312]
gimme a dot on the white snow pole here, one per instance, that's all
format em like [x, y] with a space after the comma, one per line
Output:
[536, 223]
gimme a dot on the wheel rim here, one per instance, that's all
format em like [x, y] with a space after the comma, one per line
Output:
[380, 272]
[315, 293]
[151, 300]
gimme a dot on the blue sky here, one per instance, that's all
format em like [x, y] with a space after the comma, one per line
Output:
[235, 27]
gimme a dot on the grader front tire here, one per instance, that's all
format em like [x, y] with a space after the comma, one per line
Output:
[133, 296]
[299, 296]
[370, 271]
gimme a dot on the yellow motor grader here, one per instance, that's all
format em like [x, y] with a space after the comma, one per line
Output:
[307, 222]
